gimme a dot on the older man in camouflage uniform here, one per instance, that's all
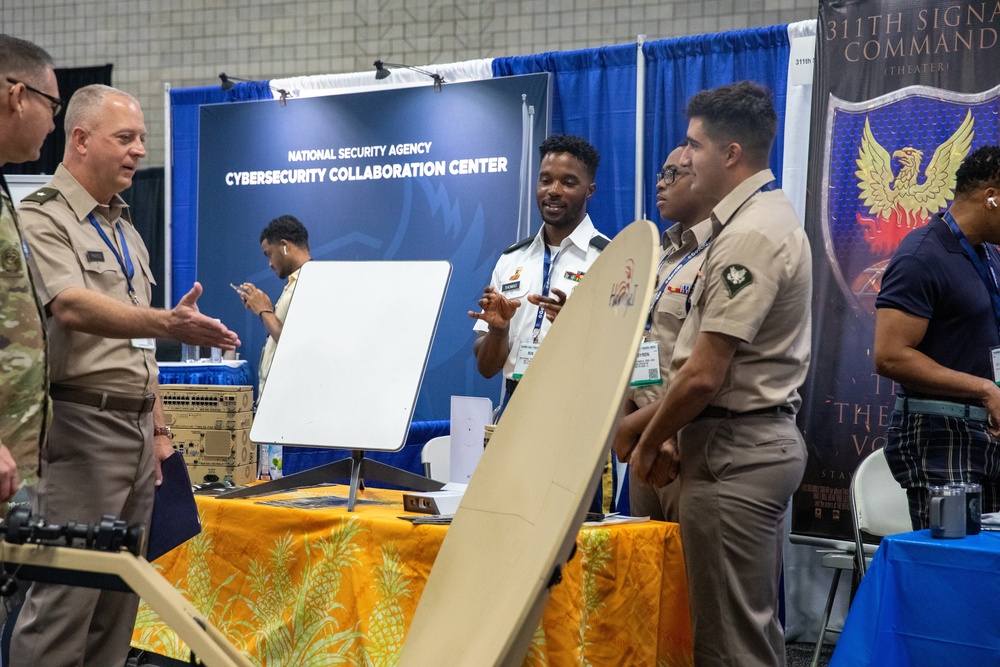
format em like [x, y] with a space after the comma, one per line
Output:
[29, 102]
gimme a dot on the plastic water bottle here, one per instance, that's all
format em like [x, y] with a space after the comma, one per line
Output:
[190, 353]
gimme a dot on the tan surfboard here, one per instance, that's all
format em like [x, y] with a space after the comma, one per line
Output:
[518, 521]
[120, 570]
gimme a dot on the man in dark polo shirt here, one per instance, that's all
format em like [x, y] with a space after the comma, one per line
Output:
[937, 329]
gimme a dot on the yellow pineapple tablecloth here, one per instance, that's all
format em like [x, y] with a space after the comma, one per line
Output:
[307, 587]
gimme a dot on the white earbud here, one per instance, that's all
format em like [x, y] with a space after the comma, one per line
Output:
[992, 202]
[284, 248]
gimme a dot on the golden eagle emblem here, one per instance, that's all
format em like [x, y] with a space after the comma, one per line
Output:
[900, 203]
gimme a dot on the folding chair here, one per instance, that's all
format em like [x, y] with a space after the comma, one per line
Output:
[436, 458]
[878, 508]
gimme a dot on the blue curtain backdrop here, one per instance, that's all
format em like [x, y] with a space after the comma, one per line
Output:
[184, 106]
[678, 68]
[594, 97]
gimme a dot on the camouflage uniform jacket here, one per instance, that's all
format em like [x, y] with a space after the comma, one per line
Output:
[25, 409]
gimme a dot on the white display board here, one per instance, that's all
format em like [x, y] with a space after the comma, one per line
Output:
[351, 356]
[469, 416]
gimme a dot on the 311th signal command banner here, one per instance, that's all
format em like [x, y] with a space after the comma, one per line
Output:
[903, 91]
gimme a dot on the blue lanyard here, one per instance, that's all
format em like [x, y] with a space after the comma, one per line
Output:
[126, 264]
[548, 263]
[767, 187]
[984, 269]
[666, 281]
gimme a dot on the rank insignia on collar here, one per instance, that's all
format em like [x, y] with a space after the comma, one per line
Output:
[736, 277]
[575, 277]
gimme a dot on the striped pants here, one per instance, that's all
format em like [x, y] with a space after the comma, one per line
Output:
[929, 450]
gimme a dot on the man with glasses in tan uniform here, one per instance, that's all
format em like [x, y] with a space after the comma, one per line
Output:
[685, 244]
[108, 432]
[727, 421]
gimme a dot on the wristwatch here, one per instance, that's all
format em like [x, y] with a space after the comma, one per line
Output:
[163, 430]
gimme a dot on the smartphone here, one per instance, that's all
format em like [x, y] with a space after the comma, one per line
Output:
[239, 290]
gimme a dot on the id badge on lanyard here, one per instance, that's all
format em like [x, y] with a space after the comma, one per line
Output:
[647, 365]
[128, 270]
[525, 353]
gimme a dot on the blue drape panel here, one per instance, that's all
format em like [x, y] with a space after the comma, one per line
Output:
[678, 68]
[185, 104]
[594, 97]
[297, 459]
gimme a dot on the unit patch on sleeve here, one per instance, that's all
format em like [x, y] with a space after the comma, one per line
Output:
[10, 259]
[736, 277]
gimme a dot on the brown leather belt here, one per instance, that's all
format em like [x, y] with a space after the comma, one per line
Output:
[714, 412]
[102, 399]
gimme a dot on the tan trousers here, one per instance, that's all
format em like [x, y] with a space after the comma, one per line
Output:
[659, 504]
[95, 463]
[737, 478]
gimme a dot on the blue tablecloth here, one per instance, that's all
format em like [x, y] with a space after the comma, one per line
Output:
[205, 372]
[926, 602]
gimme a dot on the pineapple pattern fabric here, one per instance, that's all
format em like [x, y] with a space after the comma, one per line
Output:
[312, 588]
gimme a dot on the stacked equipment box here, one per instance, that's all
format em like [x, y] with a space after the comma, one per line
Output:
[211, 428]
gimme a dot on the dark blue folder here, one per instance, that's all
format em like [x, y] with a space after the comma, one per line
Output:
[175, 515]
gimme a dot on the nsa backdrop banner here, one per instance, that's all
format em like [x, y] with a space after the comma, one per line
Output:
[391, 175]
[904, 90]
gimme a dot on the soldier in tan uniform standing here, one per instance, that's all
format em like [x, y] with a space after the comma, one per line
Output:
[108, 432]
[29, 103]
[727, 421]
[685, 245]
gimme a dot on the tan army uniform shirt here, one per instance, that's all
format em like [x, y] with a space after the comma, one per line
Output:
[755, 285]
[281, 312]
[24, 384]
[671, 310]
[66, 251]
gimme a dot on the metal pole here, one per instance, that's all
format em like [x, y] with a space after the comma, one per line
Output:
[168, 179]
[640, 126]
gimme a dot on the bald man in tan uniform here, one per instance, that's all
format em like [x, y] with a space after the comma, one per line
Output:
[108, 432]
[739, 360]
